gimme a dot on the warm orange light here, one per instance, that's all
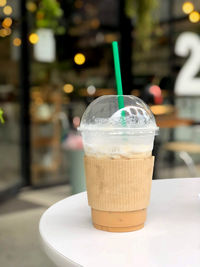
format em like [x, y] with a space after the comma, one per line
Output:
[2, 33]
[7, 10]
[68, 88]
[162, 109]
[194, 17]
[187, 7]
[7, 22]
[39, 100]
[31, 6]
[3, 2]
[5, 32]
[110, 37]
[33, 38]
[79, 59]
[17, 41]
[95, 23]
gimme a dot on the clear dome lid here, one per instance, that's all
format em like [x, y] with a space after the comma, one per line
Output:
[103, 114]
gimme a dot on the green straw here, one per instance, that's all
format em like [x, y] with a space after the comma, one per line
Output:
[118, 81]
[118, 74]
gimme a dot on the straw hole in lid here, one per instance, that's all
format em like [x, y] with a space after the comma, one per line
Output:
[133, 111]
[140, 111]
[126, 113]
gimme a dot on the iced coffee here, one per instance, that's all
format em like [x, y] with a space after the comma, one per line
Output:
[118, 147]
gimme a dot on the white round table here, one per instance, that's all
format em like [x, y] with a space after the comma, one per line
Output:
[171, 236]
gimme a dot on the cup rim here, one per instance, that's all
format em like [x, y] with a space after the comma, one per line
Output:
[121, 131]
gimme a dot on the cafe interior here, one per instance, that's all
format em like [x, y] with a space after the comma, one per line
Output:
[56, 58]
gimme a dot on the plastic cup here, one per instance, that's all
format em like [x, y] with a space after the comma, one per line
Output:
[118, 162]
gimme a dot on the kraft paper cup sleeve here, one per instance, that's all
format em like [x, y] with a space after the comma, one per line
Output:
[119, 184]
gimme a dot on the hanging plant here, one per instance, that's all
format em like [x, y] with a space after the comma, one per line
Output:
[142, 12]
[1, 116]
[48, 15]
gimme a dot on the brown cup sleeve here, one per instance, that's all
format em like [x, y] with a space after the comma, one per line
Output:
[118, 184]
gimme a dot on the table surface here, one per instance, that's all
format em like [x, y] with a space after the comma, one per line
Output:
[171, 236]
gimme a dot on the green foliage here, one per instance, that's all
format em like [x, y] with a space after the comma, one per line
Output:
[1, 116]
[142, 12]
[48, 14]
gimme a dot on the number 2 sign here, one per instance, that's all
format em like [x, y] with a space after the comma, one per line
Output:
[188, 44]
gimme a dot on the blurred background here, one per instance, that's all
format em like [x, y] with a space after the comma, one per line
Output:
[55, 58]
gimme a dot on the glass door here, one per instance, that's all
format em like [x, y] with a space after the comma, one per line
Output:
[10, 148]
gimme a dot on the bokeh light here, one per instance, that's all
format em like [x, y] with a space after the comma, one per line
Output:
[187, 7]
[17, 41]
[33, 38]
[91, 90]
[194, 17]
[95, 23]
[68, 88]
[7, 10]
[5, 32]
[79, 59]
[31, 6]
[2, 33]
[39, 100]
[7, 22]
[162, 109]
[3, 2]
[110, 37]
